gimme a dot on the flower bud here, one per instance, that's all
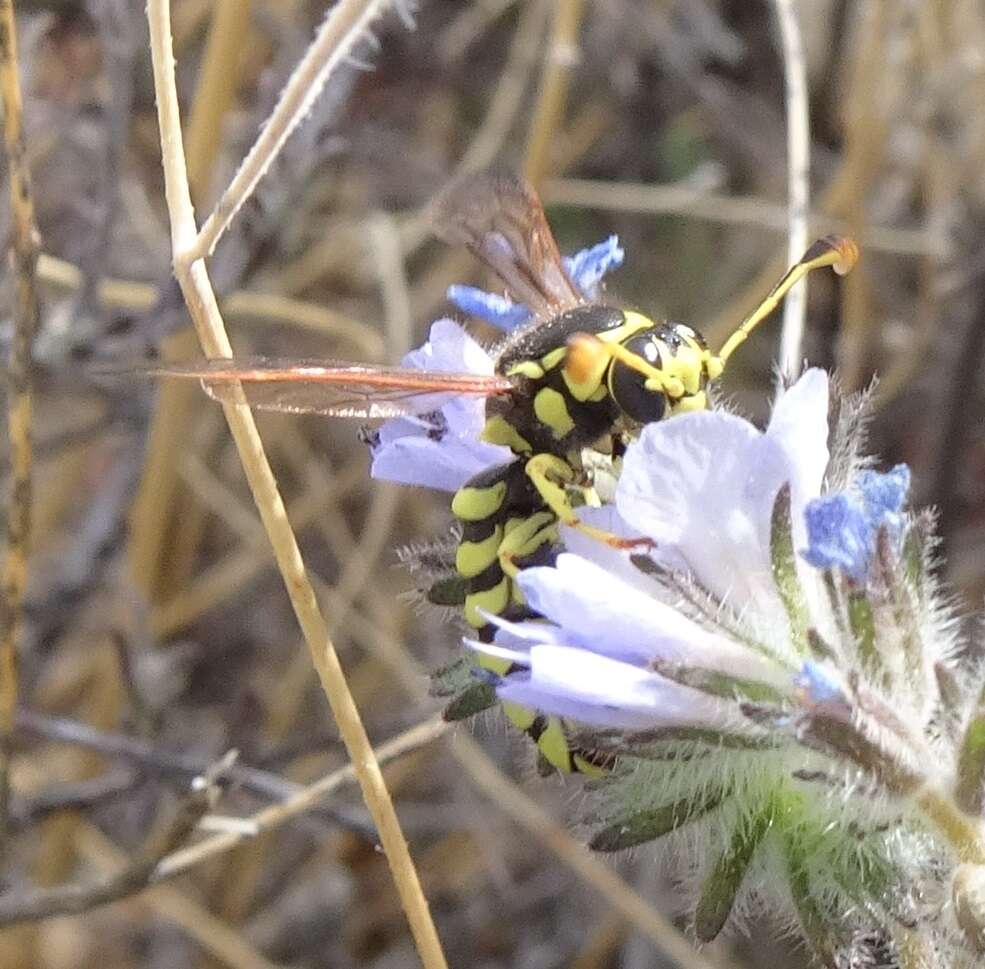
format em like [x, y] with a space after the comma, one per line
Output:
[968, 892]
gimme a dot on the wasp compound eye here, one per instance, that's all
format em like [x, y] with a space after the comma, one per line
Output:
[628, 386]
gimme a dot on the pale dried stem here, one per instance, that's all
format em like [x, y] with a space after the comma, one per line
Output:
[196, 287]
[345, 26]
[798, 182]
[560, 59]
[24, 257]
[695, 202]
[310, 797]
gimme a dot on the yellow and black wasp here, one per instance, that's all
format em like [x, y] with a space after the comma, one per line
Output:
[581, 375]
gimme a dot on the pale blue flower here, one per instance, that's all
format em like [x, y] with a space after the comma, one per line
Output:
[586, 269]
[440, 448]
[843, 527]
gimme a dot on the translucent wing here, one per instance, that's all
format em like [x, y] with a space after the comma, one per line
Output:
[331, 387]
[501, 220]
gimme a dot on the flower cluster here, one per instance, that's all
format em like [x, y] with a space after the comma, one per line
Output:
[777, 681]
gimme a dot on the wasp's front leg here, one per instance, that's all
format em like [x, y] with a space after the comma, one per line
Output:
[550, 476]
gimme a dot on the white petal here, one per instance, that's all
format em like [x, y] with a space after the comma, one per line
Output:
[445, 465]
[449, 347]
[799, 424]
[705, 484]
[595, 689]
[602, 613]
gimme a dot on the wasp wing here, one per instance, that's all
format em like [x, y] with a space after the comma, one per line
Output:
[501, 221]
[331, 387]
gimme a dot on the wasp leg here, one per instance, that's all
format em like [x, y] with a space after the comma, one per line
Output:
[524, 536]
[549, 474]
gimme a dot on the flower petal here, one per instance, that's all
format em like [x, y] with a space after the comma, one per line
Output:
[440, 450]
[598, 690]
[586, 268]
[705, 484]
[497, 310]
[609, 616]
[445, 464]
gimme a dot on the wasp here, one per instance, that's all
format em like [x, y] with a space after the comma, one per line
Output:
[580, 375]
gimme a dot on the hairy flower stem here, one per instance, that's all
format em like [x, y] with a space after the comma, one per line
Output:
[963, 833]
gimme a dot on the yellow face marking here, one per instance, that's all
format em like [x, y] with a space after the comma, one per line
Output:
[498, 430]
[471, 558]
[552, 410]
[526, 368]
[477, 504]
[493, 601]
[688, 366]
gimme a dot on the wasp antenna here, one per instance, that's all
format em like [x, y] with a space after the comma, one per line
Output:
[838, 252]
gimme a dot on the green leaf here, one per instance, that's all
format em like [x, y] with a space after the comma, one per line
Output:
[719, 892]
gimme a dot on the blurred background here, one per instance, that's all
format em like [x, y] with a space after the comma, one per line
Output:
[158, 634]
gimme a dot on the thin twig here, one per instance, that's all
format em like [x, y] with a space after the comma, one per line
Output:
[24, 257]
[196, 287]
[345, 26]
[798, 181]
[16, 906]
[311, 796]
[695, 202]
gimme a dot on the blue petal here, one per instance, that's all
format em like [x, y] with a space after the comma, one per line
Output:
[819, 684]
[838, 534]
[842, 528]
[883, 496]
[586, 268]
[497, 310]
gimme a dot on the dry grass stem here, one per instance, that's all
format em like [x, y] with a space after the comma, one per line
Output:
[698, 203]
[194, 280]
[273, 817]
[560, 60]
[28, 906]
[346, 25]
[23, 261]
[798, 182]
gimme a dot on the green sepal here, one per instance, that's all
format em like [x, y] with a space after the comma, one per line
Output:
[720, 684]
[861, 620]
[970, 789]
[648, 825]
[670, 743]
[452, 679]
[478, 697]
[450, 591]
[719, 892]
[813, 923]
[784, 565]
[469, 694]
